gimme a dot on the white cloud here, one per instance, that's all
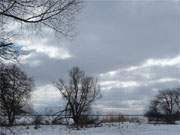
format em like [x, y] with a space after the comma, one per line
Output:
[164, 80]
[45, 93]
[124, 107]
[46, 99]
[151, 72]
[107, 85]
[42, 46]
[38, 43]
[30, 59]
[157, 62]
[163, 62]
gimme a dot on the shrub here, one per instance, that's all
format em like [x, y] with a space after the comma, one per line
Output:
[86, 120]
[37, 121]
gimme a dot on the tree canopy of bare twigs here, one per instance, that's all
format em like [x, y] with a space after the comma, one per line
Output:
[51, 13]
[79, 94]
[166, 105]
[54, 14]
[15, 88]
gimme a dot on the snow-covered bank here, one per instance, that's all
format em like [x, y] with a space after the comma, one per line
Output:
[106, 129]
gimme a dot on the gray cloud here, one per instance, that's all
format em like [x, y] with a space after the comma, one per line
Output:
[121, 37]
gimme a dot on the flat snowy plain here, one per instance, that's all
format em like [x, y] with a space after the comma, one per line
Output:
[106, 129]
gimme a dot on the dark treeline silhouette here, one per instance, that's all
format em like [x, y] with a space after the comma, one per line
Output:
[165, 106]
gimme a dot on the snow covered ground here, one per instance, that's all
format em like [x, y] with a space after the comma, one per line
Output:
[106, 129]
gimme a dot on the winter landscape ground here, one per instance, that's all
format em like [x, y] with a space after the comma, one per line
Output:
[105, 129]
[89, 67]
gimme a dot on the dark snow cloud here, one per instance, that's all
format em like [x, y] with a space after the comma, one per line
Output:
[131, 46]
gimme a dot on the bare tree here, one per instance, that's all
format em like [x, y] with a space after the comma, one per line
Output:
[166, 105]
[177, 98]
[54, 14]
[15, 88]
[79, 94]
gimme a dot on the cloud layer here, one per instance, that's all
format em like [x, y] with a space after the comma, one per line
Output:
[131, 46]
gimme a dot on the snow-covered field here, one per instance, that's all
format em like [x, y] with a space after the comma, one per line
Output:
[106, 129]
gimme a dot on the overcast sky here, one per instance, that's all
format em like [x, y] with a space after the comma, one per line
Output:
[132, 47]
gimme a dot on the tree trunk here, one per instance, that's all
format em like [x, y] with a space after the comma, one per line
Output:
[76, 122]
[11, 118]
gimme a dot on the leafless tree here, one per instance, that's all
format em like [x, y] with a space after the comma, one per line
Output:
[79, 94]
[54, 14]
[177, 98]
[15, 88]
[166, 105]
